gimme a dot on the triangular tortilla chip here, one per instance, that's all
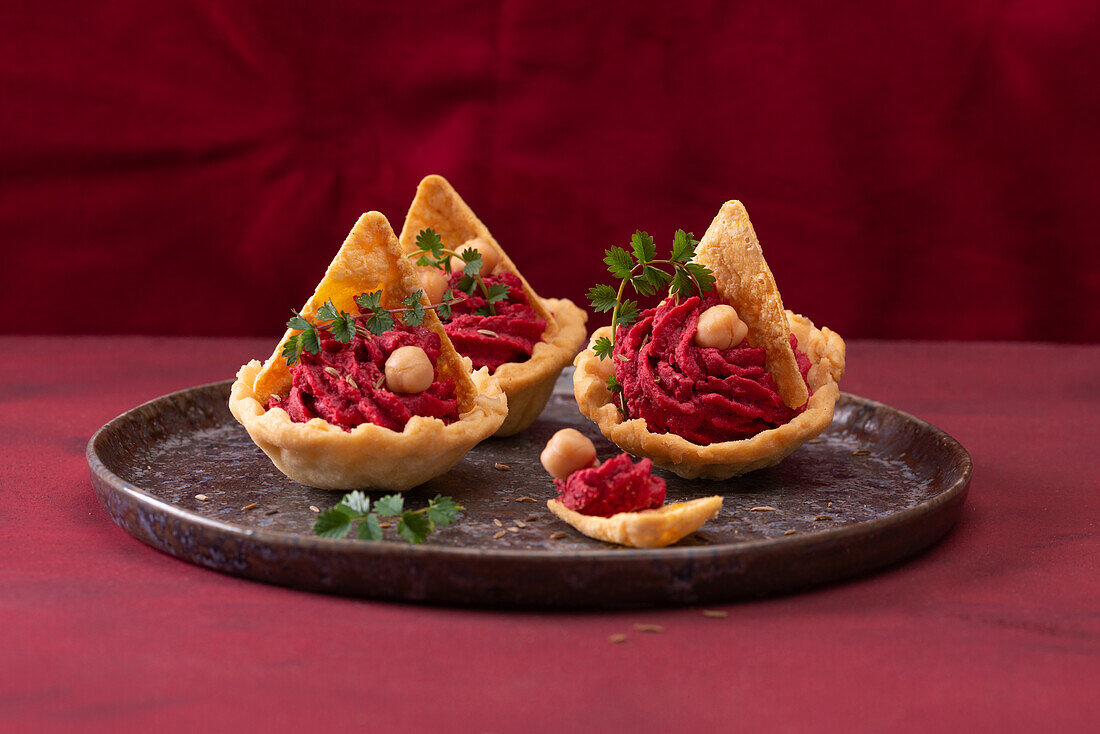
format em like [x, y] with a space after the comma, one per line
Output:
[646, 529]
[370, 258]
[437, 205]
[732, 251]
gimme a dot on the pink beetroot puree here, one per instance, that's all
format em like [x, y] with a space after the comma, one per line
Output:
[516, 325]
[702, 394]
[317, 392]
[617, 485]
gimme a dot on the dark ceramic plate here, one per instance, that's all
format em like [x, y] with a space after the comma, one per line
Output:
[878, 486]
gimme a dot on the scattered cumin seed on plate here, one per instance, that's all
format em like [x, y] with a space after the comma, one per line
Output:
[512, 530]
[271, 512]
[520, 523]
[501, 467]
[498, 523]
[829, 505]
[652, 628]
[498, 536]
[861, 452]
[715, 613]
[201, 497]
[822, 517]
[616, 638]
[533, 518]
[526, 499]
[557, 536]
[792, 531]
[763, 508]
[252, 506]
[314, 508]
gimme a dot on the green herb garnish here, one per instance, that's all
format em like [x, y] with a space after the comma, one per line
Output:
[413, 526]
[646, 275]
[431, 253]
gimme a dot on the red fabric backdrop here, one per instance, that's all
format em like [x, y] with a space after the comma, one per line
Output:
[914, 170]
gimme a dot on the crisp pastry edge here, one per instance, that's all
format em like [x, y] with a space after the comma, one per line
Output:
[319, 454]
[725, 459]
[657, 528]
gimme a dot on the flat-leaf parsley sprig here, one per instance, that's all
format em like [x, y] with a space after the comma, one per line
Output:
[431, 253]
[412, 525]
[372, 319]
[646, 275]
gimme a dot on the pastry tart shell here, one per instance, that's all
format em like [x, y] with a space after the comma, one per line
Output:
[725, 459]
[319, 454]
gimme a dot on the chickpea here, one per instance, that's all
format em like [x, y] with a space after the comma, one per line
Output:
[409, 370]
[434, 283]
[720, 328]
[567, 451]
[489, 256]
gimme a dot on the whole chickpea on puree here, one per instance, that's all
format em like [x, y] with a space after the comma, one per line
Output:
[720, 328]
[408, 370]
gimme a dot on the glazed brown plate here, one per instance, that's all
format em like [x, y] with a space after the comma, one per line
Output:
[877, 487]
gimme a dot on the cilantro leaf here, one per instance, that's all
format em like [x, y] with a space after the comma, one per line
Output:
[427, 240]
[618, 262]
[369, 301]
[613, 384]
[704, 278]
[467, 284]
[414, 315]
[603, 347]
[414, 527]
[444, 308]
[497, 292]
[332, 524]
[380, 321]
[292, 350]
[683, 246]
[442, 511]
[297, 322]
[627, 313]
[369, 529]
[602, 297]
[473, 261]
[356, 501]
[642, 244]
[327, 312]
[682, 283]
[309, 341]
[390, 505]
[343, 327]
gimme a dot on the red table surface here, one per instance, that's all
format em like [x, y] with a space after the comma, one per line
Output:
[994, 629]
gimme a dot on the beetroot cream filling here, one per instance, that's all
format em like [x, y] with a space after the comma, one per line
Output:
[617, 485]
[702, 394]
[345, 383]
[490, 341]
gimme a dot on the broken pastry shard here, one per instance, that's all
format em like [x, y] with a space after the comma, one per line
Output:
[527, 384]
[320, 454]
[646, 529]
[741, 275]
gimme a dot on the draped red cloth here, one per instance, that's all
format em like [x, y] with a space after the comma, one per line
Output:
[915, 170]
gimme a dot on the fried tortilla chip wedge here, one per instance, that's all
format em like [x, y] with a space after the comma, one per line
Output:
[370, 259]
[647, 529]
[732, 251]
[438, 206]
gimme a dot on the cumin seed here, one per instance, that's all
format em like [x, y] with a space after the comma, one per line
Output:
[332, 372]
[498, 523]
[498, 536]
[252, 506]
[526, 499]
[379, 381]
[763, 508]
[822, 517]
[512, 530]
[655, 629]
[557, 536]
[201, 497]
[351, 382]
[533, 518]
[715, 613]
[789, 532]
[271, 512]
[520, 523]
[486, 332]
[385, 525]
[617, 639]
[861, 452]
[314, 508]
[501, 467]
